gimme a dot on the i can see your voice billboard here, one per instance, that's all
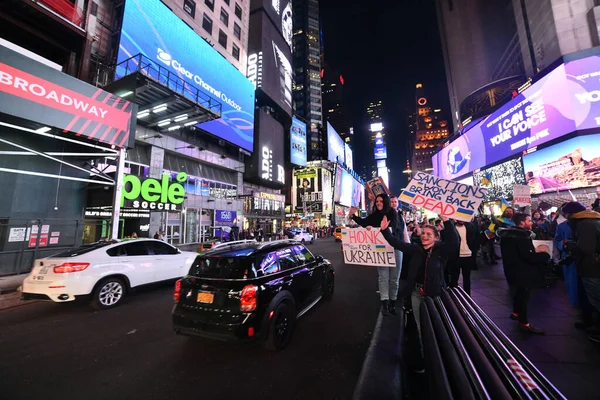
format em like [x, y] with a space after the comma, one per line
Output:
[565, 100]
[153, 30]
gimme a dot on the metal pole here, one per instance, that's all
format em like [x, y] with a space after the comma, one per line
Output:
[116, 206]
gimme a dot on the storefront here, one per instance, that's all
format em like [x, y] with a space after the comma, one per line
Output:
[263, 210]
[52, 129]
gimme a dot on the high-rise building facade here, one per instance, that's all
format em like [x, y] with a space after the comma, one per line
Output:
[332, 88]
[430, 130]
[222, 23]
[307, 71]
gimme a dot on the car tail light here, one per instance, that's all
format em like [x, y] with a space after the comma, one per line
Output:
[177, 292]
[69, 267]
[248, 298]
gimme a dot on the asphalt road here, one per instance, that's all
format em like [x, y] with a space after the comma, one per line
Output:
[70, 351]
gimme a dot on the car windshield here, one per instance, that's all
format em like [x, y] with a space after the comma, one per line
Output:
[223, 267]
[77, 251]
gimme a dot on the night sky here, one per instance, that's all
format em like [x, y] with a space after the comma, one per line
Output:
[383, 52]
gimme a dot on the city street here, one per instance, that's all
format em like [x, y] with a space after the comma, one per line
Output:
[71, 351]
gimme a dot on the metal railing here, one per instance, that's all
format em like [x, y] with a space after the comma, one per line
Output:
[164, 76]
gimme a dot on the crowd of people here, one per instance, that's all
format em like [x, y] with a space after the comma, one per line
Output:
[433, 254]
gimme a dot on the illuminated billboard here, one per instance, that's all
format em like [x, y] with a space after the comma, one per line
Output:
[151, 29]
[564, 100]
[376, 127]
[380, 153]
[500, 179]
[567, 165]
[298, 142]
[348, 155]
[335, 145]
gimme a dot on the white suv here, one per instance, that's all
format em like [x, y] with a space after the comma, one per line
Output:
[105, 270]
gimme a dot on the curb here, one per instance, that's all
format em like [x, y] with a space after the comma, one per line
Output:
[12, 299]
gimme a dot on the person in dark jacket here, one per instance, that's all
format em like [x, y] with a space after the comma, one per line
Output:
[586, 228]
[522, 266]
[427, 262]
[388, 277]
[464, 257]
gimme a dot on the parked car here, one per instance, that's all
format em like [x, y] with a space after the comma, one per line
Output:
[105, 270]
[304, 237]
[251, 291]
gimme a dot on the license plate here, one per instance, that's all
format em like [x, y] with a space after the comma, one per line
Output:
[205, 297]
[44, 270]
[38, 278]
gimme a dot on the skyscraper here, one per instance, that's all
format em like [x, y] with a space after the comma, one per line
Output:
[307, 72]
[332, 88]
[430, 128]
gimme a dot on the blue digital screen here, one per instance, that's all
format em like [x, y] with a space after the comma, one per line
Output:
[335, 145]
[380, 153]
[298, 142]
[153, 30]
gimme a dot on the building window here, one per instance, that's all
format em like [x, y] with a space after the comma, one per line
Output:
[210, 4]
[222, 38]
[189, 6]
[226, 2]
[237, 31]
[235, 52]
[238, 11]
[207, 23]
[224, 17]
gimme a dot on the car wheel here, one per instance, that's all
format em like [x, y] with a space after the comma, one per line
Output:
[329, 285]
[312, 241]
[281, 328]
[303, 241]
[109, 293]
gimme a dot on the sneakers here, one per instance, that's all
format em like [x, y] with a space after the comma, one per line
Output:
[392, 307]
[531, 329]
[514, 316]
[385, 308]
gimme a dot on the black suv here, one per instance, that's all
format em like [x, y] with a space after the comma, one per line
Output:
[250, 290]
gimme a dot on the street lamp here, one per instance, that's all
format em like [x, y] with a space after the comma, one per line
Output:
[407, 171]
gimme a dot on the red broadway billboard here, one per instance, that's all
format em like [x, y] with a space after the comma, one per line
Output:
[33, 91]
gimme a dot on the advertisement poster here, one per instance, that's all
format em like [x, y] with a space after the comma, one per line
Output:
[298, 153]
[327, 188]
[443, 197]
[33, 236]
[521, 195]
[308, 190]
[151, 29]
[269, 156]
[380, 153]
[571, 164]
[225, 218]
[335, 145]
[348, 155]
[500, 179]
[565, 100]
[368, 248]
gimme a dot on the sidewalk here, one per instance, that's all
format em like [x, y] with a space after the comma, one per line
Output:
[564, 354]
[9, 295]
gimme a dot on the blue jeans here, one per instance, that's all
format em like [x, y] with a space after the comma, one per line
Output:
[592, 290]
[388, 279]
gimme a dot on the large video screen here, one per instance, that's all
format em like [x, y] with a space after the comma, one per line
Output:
[380, 153]
[298, 154]
[574, 163]
[272, 57]
[351, 191]
[270, 151]
[308, 190]
[335, 145]
[348, 155]
[559, 103]
[280, 12]
[500, 179]
[153, 30]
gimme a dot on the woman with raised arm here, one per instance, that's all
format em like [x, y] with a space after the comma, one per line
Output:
[426, 263]
[387, 276]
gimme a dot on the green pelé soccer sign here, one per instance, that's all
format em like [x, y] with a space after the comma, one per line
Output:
[153, 194]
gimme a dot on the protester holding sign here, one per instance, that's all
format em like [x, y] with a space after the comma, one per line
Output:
[388, 276]
[427, 262]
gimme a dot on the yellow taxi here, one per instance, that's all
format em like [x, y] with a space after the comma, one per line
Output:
[337, 234]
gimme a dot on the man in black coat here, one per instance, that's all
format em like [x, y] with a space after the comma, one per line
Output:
[464, 256]
[522, 266]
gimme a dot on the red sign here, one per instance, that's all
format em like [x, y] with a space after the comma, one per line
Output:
[43, 240]
[33, 239]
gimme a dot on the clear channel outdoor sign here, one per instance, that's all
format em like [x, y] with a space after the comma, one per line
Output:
[565, 100]
[153, 30]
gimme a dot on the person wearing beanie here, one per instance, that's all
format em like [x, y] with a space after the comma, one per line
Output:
[586, 228]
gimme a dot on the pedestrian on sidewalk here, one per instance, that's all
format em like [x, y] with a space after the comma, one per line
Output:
[464, 257]
[523, 265]
[426, 264]
[586, 228]
[387, 277]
